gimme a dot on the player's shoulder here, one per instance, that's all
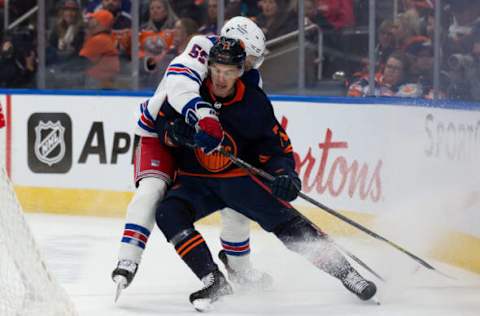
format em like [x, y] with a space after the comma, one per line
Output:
[255, 95]
[253, 77]
[203, 41]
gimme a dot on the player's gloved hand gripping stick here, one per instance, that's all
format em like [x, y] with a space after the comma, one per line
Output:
[286, 187]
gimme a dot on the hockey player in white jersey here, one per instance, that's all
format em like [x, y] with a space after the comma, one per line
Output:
[155, 167]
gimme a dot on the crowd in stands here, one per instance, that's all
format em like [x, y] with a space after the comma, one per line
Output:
[89, 42]
[406, 42]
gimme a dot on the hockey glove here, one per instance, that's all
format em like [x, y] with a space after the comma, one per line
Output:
[209, 131]
[286, 187]
[179, 133]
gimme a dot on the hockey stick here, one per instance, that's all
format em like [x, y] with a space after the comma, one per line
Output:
[253, 171]
[348, 253]
[245, 165]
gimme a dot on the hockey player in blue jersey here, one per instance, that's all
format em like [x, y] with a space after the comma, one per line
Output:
[239, 118]
[154, 165]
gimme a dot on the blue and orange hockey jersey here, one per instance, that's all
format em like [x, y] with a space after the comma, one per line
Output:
[252, 133]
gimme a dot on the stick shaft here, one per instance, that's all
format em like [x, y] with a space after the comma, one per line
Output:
[239, 162]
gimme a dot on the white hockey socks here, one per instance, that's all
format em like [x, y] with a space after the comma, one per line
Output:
[235, 239]
[140, 218]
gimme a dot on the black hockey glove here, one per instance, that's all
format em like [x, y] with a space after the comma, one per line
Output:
[286, 187]
[180, 133]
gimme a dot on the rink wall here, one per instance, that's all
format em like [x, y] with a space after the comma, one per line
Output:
[376, 160]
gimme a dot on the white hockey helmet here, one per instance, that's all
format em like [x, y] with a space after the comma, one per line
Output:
[250, 34]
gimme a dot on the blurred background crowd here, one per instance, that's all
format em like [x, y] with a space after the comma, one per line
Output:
[88, 44]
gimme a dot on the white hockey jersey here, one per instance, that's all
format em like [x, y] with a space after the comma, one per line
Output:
[181, 83]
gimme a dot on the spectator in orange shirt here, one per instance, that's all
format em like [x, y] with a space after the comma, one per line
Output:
[100, 50]
[156, 40]
[156, 35]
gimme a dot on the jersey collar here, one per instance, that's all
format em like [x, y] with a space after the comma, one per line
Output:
[237, 96]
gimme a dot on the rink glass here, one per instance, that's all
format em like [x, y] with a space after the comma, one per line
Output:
[334, 52]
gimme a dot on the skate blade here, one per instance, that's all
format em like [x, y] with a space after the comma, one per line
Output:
[202, 305]
[118, 292]
[120, 287]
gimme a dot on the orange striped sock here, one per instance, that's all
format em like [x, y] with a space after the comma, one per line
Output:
[195, 253]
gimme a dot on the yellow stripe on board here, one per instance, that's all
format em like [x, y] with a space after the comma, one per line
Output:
[458, 249]
[455, 248]
[73, 201]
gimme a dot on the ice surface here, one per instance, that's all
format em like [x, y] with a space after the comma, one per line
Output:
[81, 252]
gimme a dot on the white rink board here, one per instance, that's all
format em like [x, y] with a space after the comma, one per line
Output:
[399, 151]
[115, 114]
[403, 149]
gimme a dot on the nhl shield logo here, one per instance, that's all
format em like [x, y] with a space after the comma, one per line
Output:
[49, 142]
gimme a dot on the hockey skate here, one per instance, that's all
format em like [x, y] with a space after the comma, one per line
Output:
[250, 278]
[123, 275]
[216, 286]
[356, 284]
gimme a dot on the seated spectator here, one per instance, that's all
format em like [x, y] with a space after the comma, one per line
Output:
[122, 19]
[427, 23]
[155, 34]
[185, 29]
[393, 81]
[464, 71]
[386, 43]
[420, 52]
[161, 16]
[155, 64]
[275, 20]
[407, 26]
[192, 9]
[66, 38]
[210, 26]
[156, 41]
[18, 60]
[100, 50]
[156, 37]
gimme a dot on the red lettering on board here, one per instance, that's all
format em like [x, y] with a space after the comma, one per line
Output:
[343, 176]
